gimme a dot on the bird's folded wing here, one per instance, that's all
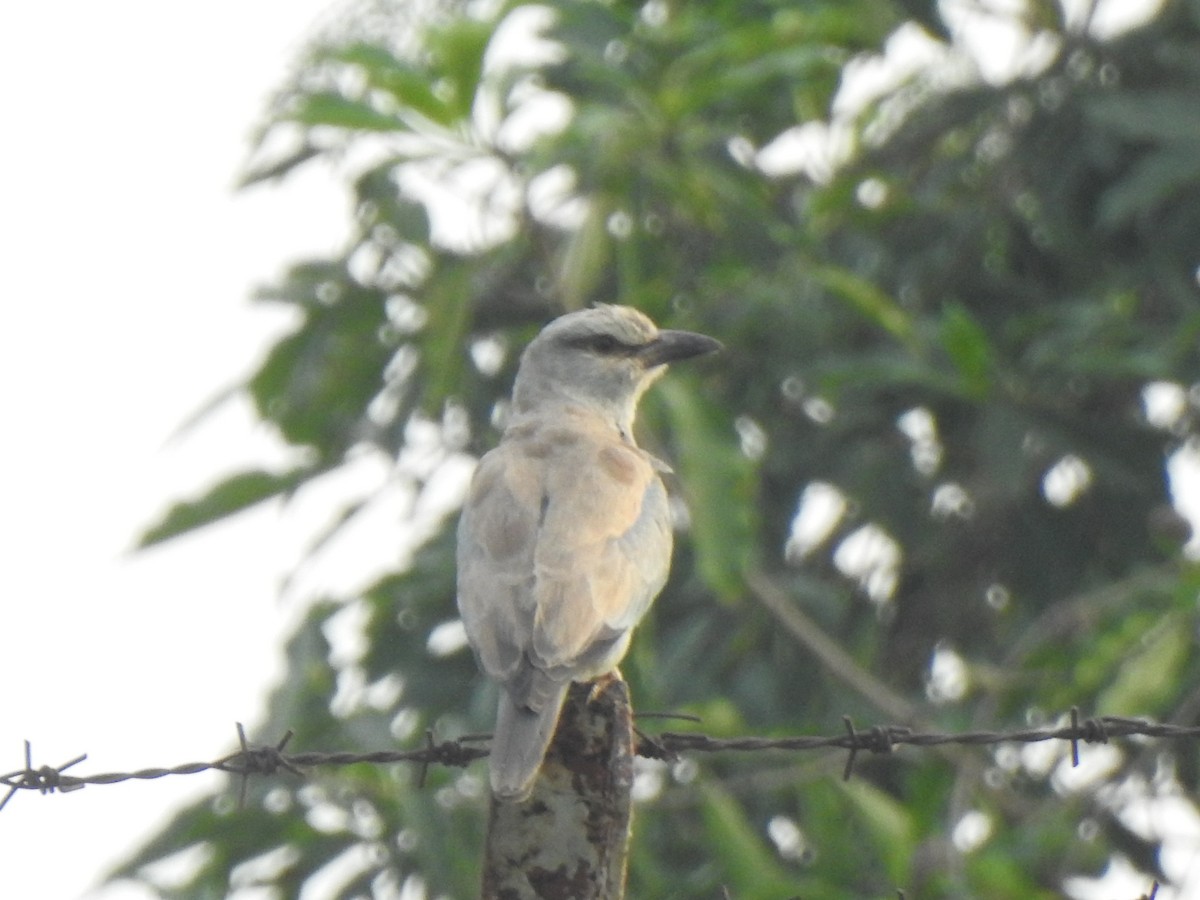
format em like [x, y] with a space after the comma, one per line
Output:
[497, 535]
[564, 542]
[602, 552]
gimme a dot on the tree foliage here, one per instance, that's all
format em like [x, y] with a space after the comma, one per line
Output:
[942, 315]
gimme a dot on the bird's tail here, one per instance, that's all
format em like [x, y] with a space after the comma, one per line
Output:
[519, 744]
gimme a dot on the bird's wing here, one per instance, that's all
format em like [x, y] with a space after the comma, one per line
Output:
[603, 550]
[497, 536]
[563, 543]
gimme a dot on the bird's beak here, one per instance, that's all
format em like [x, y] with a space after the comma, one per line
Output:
[672, 346]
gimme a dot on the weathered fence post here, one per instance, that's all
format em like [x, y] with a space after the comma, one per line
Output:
[568, 840]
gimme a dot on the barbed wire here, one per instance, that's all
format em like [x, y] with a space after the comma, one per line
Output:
[251, 759]
[883, 739]
[268, 759]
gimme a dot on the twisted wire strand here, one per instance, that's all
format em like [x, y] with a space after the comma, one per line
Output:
[268, 759]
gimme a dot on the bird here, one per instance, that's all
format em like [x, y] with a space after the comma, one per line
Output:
[565, 536]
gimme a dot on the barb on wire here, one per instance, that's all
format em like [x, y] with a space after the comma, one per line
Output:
[256, 759]
[44, 779]
[268, 759]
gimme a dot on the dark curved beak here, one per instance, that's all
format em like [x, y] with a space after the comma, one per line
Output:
[673, 346]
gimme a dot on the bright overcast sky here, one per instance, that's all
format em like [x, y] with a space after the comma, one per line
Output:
[127, 263]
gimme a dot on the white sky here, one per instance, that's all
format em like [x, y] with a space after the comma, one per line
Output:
[127, 264]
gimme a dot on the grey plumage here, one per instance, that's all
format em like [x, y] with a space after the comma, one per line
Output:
[565, 538]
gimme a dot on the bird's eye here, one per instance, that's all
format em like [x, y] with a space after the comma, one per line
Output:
[605, 343]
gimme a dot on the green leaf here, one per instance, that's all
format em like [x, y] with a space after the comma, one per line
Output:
[966, 343]
[868, 300]
[743, 855]
[336, 111]
[586, 255]
[1166, 116]
[316, 383]
[376, 189]
[234, 494]
[448, 300]
[1152, 180]
[457, 50]
[1148, 677]
[408, 86]
[889, 823]
[281, 166]
[718, 481]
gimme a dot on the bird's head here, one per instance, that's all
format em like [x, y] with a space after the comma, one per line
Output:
[604, 357]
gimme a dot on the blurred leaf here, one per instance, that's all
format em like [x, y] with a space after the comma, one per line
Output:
[449, 299]
[403, 610]
[458, 47]
[889, 824]
[585, 256]
[233, 495]
[966, 343]
[719, 482]
[868, 300]
[341, 112]
[1161, 116]
[279, 167]
[316, 383]
[409, 86]
[740, 850]
[377, 187]
[1154, 179]
[300, 702]
[1145, 678]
